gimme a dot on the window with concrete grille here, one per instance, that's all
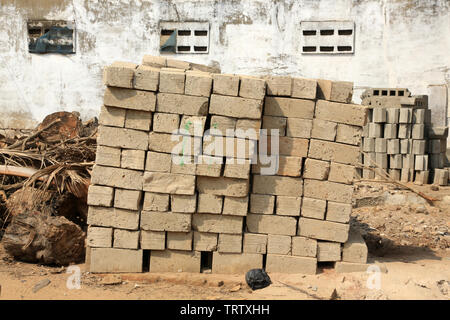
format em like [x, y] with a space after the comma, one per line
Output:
[184, 37]
[51, 36]
[327, 37]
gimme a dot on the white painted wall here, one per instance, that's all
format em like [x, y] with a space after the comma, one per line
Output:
[402, 43]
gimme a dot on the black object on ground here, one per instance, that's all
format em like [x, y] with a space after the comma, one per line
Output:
[257, 279]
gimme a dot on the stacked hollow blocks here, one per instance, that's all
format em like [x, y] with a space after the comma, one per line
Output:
[179, 184]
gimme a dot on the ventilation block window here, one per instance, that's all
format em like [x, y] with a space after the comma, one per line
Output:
[51, 36]
[327, 37]
[184, 37]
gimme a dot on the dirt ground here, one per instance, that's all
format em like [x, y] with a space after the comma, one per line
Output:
[407, 238]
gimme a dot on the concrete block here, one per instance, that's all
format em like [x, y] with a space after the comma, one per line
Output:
[248, 128]
[288, 206]
[226, 84]
[304, 247]
[368, 174]
[165, 221]
[229, 147]
[154, 61]
[209, 203]
[236, 263]
[217, 223]
[436, 160]
[418, 116]
[381, 159]
[231, 243]
[222, 124]
[158, 162]
[375, 130]
[418, 131]
[338, 212]
[290, 264]
[313, 208]
[405, 175]
[323, 130]
[183, 203]
[108, 156]
[165, 122]
[133, 159]
[99, 237]
[295, 147]
[395, 174]
[139, 120]
[331, 151]
[380, 145]
[261, 203]
[338, 91]
[271, 224]
[365, 132]
[119, 74]
[379, 115]
[355, 249]
[270, 122]
[113, 217]
[235, 169]
[235, 206]
[116, 177]
[126, 239]
[209, 166]
[323, 230]
[182, 104]
[130, 99]
[287, 166]
[153, 240]
[205, 241]
[390, 131]
[404, 131]
[146, 78]
[255, 243]
[299, 128]
[198, 84]
[393, 146]
[175, 261]
[169, 183]
[342, 173]
[441, 177]
[369, 159]
[396, 161]
[100, 196]
[436, 146]
[171, 81]
[405, 115]
[392, 115]
[341, 113]
[113, 260]
[419, 146]
[408, 161]
[123, 138]
[421, 177]
[179, 240]
[327, 190]
[252, 87]
[183, 165]
[405, 146]
[223, 186]
[127, 199]
[280, 186]
[287, 107]
[328, 251]
[193, 125]
[236, 107]
[112, 116]
[349, 134]
[316, 169]
[304, 88]
[278, 244]
[279, 86]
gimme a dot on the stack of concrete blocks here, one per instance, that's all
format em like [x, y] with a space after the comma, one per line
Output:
[163, 196]
[395, 139]
[437, 147]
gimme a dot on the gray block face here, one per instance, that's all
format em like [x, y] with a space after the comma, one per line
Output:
[369, 144]
[392, 115]
[380, 145]
[408, 161]
[390, 131]
[421, 163]
[419, 146]
[418, 131]
[405, 146]
[375, 130]
[381, 160]
[419, 116]
[396, 162]
[405, 115]
[404, 131]
[393, 146]
[379, 115]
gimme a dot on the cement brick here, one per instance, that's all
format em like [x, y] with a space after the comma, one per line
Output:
[380, 145]
[336, 152]
[404, 131]
[381, 159]
[279, 86]
[375, 130]
[270, 122]
[338, 91]
[342, 113]
[127, 199]
[123, 138]
[271, 224]
[421, 177]
[217, 223]
[390, 131]
[117, 177]
[304, 88]
[395, 174]
[261, 203]
[119, 74]
[198, 84]
[342, 173]
[205, 241]
[392, 115]
[108, 156]
[183, 203]
[436, 146]
[165, 221]
[116, 218]
[235, 169]
[419, 146]
[235, 107]
[223, 186]
[133, 159]
[112, 116]
[379, 115]
[299, 128]
[355, 249]
[158, 162]
[280, 186]
[349, 134]
[328, 251]
[183, 165]
[113, 260]
[209, 166]
[146, 78]
[304, 247]
[418, 131]
[130, 99]
[235, 206]
[222, 124]
[295, 147]
[396, 161]
[226, 84]
[193, 125]
[405, 116]
[139, 120]
[231, 243]
[153, 240]
[154, 61]
[182, 104]
[99, 237]
[290, 264]
[287, 107]
[126, 239]
[408, 161]
[287, 166]
[209, 203]
[229, 147]
[278, 244]
[314, 208]
[324, 130]
[248, 128]
[405, 175]
[178, 65]
[179, 240]
[100, 196]
[418, 116]
[405, 146]
[252, 87]
[236, 263]
[393, 146]
[369, 159]
[441, 177]
[288, 206]
[165, 122]
[169, 183]
[171, 82]
[323, 230]
[316, 169]
[255, 243]
[175, 261]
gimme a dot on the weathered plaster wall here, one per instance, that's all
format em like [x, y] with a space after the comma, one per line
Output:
[402, 43]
